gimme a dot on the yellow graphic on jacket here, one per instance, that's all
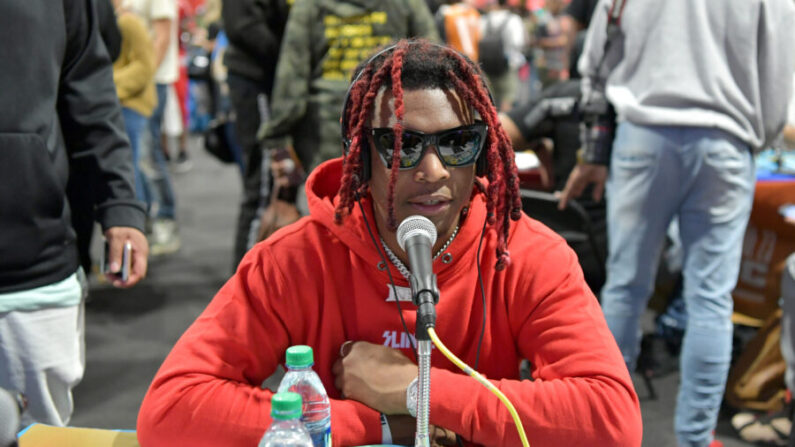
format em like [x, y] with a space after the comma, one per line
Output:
[351, 40]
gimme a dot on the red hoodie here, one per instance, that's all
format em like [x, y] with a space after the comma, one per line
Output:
[319, 284]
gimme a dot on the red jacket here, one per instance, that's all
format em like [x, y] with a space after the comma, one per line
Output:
[319, 284]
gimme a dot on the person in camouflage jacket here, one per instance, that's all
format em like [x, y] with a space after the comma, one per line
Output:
[324, 41]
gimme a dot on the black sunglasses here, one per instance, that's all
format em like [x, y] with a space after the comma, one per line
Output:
[455, 147]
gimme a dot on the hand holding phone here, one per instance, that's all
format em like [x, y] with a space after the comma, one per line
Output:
[123, 273]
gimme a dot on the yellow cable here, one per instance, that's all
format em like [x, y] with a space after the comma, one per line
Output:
[477, 376]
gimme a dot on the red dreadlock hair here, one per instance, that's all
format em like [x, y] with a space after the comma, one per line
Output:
[414, 65]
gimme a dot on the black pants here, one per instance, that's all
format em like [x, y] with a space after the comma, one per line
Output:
[249, 101]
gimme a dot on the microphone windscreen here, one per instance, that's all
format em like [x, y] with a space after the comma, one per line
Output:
[9, 418]
[413, 225]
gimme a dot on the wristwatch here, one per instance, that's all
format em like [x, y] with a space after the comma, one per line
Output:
[411, 398]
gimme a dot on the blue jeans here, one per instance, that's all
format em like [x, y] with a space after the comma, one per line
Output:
[706, 178]
[162, 179]
[134, 124]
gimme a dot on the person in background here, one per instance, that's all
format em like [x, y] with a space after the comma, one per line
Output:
[254, 29]
[220, 100]
[555, 114]
[788, 300]
[108, 28]
[776, 427]
[160, 17]
[177, 120]
[459, 26]
[784, 419]
[80, 194]
[133, 75]
[323, 42]
[500, 19]
[553, 39]
[62, 107]
[694, 99]
[532, 297]
[575, 21]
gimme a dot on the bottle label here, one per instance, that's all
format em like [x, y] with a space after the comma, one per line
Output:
[322, 439]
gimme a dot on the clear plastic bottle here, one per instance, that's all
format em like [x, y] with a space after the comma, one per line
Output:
[300, 378]
[287, 430]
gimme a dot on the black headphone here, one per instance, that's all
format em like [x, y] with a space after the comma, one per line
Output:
[481, 165]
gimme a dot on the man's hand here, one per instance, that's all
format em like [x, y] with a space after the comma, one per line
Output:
[441, 436]
[376, 376]
[285, 167]
[581, 176]
[281, 170]
[116, 237]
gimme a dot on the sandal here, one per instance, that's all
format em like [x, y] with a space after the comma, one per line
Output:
[763, 429]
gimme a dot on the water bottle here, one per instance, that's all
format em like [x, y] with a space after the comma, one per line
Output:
[300, 378]
[287, 430]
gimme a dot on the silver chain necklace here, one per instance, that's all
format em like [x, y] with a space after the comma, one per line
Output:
[399, 264]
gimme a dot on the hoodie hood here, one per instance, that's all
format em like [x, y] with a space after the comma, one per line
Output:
[322, 189]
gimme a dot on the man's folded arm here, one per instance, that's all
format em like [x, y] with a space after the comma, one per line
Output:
[211, 380]
[581, 392]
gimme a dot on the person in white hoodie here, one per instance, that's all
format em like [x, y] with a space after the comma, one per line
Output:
[698, 86]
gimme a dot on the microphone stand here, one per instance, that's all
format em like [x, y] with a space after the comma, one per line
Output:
[422, 438]
[425, 299]
[416, 235]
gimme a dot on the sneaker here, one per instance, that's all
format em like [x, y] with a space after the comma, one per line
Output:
[183, 163]
[165, 237]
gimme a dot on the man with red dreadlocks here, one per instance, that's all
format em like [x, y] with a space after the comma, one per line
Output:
[335, 280]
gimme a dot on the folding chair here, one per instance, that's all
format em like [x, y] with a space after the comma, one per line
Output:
[573, 223]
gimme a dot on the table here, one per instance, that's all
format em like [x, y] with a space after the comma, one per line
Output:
[42, 435]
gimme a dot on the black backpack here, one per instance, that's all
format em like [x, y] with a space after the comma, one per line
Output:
[491, 49]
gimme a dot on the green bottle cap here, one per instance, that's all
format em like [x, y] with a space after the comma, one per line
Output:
[286, 405]
[299, 356]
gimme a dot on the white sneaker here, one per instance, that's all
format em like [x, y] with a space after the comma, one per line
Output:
[165, 237]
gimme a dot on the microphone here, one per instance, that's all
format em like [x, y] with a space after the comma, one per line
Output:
[416, 236]
[11, 407]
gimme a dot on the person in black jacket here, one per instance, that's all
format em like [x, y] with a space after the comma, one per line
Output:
[254, 29]
[556, 115]
[58, 104]
[80, 194]
[108, 28]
